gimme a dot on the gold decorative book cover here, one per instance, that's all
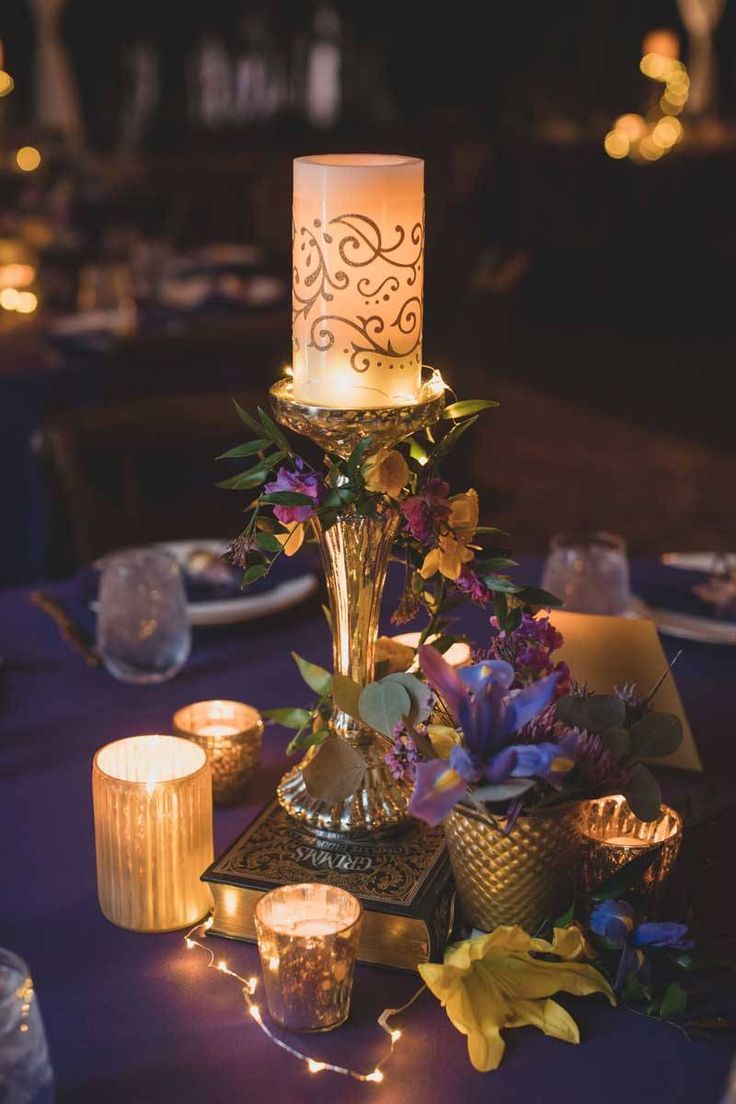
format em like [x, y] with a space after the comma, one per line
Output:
[403, 883]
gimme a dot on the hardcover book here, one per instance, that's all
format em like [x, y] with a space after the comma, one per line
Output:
[404, 884]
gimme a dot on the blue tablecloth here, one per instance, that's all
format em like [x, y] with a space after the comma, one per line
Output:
[137, 1018]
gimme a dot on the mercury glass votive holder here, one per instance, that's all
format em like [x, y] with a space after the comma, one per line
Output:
[308, 939]
[229, 733]
[612, 837]
[152, 800]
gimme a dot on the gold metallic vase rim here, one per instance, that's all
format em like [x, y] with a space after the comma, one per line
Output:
[309, 885]
[187, 733]
[666, 812]
[156, 782]
[431, 391]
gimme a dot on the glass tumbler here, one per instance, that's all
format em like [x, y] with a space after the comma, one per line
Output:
[589, 572]
[143, 632]
[25, 1070]
[307, 940]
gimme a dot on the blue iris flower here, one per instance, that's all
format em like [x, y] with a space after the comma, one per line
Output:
[616, 922]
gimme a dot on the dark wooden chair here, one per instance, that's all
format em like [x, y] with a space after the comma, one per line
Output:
[139, 471]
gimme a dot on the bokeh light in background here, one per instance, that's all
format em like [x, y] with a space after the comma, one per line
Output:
[28, 158]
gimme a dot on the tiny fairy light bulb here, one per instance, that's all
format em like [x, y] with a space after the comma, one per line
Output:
[377, 1075]
[395, 1035]
[315, 1067]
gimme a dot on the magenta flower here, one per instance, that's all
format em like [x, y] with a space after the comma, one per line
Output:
[423, 513]
[301, 482]
[468, 583]
[529, 649]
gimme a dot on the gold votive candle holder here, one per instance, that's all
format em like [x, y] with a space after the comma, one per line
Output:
[612, 837]
[230, 734]
[152, 800]
[307, 940]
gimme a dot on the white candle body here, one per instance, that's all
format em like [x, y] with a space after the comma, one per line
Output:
[152, 800]
[217, 730]
[358, 277]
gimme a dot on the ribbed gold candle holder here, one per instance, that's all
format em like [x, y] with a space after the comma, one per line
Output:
[612, 837]
[152, 798]
[229, 733]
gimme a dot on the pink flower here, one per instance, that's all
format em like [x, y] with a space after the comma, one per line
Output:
[306, 483]
[423, 513]
[468, 583]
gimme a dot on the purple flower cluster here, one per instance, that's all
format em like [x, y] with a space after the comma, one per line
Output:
[529, 651]
[300, 482]
[425, 512]
[596, 769]
[403, 757]
[470, 584]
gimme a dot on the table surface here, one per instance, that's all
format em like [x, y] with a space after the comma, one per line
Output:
[134, 1017]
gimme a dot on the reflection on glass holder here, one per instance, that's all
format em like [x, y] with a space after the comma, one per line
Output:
[229, 733]
[612, 837]
[307, 940]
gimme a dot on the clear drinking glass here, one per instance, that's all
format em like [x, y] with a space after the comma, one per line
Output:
[143, 632]
[25, 1070]
[589, 572]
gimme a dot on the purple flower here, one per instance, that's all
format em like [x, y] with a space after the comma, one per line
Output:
[529, 649]
[468, 583]
[616, 922]
[423, 513]
[437, 789]
[403, 757]
[301, 482]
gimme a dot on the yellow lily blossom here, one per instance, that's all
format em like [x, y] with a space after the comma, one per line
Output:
[443, 739]
[293, 540]
[398, 656]
[453, 551]
[386, 472]
[493, 982]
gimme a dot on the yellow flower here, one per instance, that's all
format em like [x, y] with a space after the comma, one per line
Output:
[386, 472]
[398, 656]
[452, 552]
[492, 982]
[293, 540]
[443, 739]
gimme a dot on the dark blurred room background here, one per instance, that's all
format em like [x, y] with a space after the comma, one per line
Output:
[580, 251]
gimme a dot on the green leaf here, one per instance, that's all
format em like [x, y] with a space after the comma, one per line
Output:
[257, 571]
[249, 420]
[287, 498]
[450, 439]
[504, 791]
[355, 460]
[289, 718]
[316, 678]
[535, 596]
[513, 619]
[617, 741]
[346, 695]
[248, 449]
[596, 713]
[501, 609]
[307, 739]
[496, 563]
[642, 793]
[420, 695]
[567, 917]
[328, 615]
[656, 735]
[273, 431]
[416, 451]
[499, 585]
[253, 477]
[384, 704]
[268, 542]
[625, 878]
[466, 407]
[674, 1001]
[633, 992]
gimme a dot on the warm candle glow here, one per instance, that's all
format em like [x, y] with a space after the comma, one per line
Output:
[153, 832]
[358, 275]
[230, 734]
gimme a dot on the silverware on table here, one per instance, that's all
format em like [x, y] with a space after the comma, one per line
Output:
[77, 637]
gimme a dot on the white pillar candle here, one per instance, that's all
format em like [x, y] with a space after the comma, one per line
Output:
[358, 276]
[152, 800]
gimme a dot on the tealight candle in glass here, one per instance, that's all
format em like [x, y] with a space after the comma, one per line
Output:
[613, 836]
[308, 939]
[230, 734]
[152, 799]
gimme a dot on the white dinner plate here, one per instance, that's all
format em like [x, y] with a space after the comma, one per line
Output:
[697, 561]
[687, 626]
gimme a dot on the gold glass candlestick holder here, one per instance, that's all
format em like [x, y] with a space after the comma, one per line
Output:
[612, 837]
[355, 553]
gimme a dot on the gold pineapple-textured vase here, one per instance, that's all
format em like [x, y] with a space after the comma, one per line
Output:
[522, 878]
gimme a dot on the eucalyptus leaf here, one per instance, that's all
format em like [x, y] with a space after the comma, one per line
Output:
[596, 713]
[289, 718]
[335, 772]
[346, 695]
[257, 571]
[248, 449]
[504, 791]
[384, 704]
[316, 678]
[617, 741]
[674, 1001]
[642, 793]
[656, 735]
[421, 696]
[465, 407]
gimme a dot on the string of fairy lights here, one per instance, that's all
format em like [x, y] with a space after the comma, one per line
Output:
[645, 139]
[248, 988]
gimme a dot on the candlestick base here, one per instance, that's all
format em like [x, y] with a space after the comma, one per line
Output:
[340, 430]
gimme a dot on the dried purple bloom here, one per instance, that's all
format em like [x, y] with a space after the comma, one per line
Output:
[301, 482]
[401, 760]
[238, 550]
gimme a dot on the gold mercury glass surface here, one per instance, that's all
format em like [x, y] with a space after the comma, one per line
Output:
[612, 836]
[230, 734]
[307, 940]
